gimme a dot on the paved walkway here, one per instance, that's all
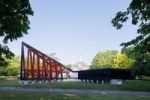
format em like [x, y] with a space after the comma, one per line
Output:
[83, 91]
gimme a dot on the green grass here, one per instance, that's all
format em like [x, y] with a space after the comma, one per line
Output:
[131, 85]
[11, 95]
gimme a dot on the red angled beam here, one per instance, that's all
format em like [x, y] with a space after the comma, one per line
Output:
[36, 65]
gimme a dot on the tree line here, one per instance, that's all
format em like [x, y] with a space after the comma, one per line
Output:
[11, 67]
[111, 59]
[126, 59]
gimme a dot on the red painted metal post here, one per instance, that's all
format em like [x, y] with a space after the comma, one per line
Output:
[51, 72]
[32, 67]
[61, 73]
[22, 63]
[38, 68]
[27, 63]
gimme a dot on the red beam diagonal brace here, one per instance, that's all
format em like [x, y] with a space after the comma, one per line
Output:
[36, 65]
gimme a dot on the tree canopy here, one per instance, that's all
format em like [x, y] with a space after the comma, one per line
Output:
[69, 66]
[128, 51]
[139, 12]
[121, 61]
[103, 59]
[12, 68]
[14, 23]
[112, 59]
[142, 65]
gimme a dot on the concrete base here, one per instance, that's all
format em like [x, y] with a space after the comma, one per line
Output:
[25, 82]
[102, 82]
[46, 81]
[116, 81]
[33, 82]
[20, 82]
[40, 82]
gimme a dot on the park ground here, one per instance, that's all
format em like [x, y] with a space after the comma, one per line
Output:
[130, 85]
[11, 95]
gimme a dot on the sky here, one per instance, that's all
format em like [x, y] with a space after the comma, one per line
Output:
[74, 28]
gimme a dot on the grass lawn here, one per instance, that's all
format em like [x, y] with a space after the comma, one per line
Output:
[132, 85]
[11, 95]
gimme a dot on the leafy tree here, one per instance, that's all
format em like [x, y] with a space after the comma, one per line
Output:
[142, 65]
[69, 66]
[103, 59]
[14, 23]
[4, 53]
[139, 11]
[129, 51]
[12, 68]
[3, 65]
[121, 61]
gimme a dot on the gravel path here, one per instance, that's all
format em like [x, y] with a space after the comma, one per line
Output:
[83, 91]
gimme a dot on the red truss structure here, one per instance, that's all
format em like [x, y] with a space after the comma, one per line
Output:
[36, 65]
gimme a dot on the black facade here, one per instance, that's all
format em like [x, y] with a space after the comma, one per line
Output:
[99, 75]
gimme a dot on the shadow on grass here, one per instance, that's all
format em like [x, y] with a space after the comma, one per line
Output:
[11, 95]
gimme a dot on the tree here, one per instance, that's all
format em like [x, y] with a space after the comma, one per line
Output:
[12, 68]
[121, 61]
[14, 23]
[103, 59]
[3, 65]
[128, 51]
[69, 66]
[139, 11]
[4, 53]
[142, 65]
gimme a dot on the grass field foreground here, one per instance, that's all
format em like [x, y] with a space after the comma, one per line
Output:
[131, 85]
[11, 95]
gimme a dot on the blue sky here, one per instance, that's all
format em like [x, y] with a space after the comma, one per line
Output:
[74, 28]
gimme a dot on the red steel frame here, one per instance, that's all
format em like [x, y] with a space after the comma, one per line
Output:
[36, 65]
